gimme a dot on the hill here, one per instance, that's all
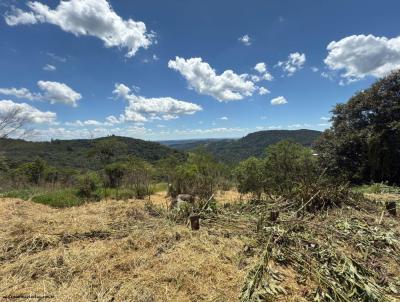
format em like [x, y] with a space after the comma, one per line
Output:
[253, 144]
[75, 153]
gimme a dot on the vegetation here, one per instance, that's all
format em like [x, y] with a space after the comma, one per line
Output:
[363, 143]
[253, 144]
[302, 229]
[79, 153]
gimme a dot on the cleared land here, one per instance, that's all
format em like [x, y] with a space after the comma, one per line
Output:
[129, 251]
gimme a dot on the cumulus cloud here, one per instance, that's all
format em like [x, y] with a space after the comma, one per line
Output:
[280, 100]
[294, 63]
[49, 67]
[359, 56]
[53, 92]
[246, 40]
[21, 93]
[224, 118]
[87, 18]
[142, 109]
[263, 90]
[201, 77]
[262, 69]
[27, 112]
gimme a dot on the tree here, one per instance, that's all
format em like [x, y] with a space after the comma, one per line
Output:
[106, 150]
[288, 165]
[249, 176]
[199, 175]
[363, 144]
[115, 172]
[11, 121]
[34, 171]
[138, 175]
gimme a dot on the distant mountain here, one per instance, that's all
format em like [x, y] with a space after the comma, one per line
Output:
[253, 144]
[189, 144]
[75, 153]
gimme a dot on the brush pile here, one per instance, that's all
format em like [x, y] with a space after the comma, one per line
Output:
[340, 249]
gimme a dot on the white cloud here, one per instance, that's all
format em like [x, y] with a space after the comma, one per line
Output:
[49, 67]
[260, 67]
[246, 40]
[27, 112]
[314, 69]
[55, 92]
[87, 18]
[56, 58]
[359, 56]
[263, 90]
[142, 109]
[224, 118]
[201, 77]
[115, 120]
[21, 93]
[18, 16]
[324, 118]
[280, 100]
[67, 133]
[294, 63]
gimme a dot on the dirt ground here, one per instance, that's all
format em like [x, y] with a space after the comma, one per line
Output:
[115, 251]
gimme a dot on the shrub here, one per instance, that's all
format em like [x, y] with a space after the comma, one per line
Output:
[87, 185]
[59, 199]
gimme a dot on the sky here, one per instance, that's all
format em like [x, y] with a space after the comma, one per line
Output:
[160, 70]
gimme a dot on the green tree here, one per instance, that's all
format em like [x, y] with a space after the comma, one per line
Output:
[249, 175]
[34, 171]
[138, 176]
[363, 144]
[199, 175]
[287, 165]
[115, 173]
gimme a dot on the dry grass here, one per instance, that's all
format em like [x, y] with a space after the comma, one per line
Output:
[114, 251]
[119, 251]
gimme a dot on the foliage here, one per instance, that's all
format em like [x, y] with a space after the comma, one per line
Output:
[115, 172]
[138, 176]
[60, 198]
[363, 143]
[253, 144]
[249, 175]
[199, 176]
[288, 165]
[87, 185]
[74, 153]
[33, 171]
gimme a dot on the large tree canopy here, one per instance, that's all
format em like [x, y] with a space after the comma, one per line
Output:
[363, 144]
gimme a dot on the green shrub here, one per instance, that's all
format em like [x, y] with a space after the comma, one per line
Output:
[59, 199]
[87, 186]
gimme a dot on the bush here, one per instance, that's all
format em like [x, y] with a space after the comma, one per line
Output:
[59, 199]
[87, 185]
[288, 165]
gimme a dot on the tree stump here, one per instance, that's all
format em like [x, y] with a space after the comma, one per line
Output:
[195, 222]
[273, 216]
[391, 207]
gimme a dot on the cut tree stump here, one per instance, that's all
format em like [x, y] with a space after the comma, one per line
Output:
[391, 207]
[273, 216]
[195, 222]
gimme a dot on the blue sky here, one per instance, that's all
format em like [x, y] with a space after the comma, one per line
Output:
[161, 70]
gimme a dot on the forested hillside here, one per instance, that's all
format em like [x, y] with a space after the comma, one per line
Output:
[253, 144]
[77, 153]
